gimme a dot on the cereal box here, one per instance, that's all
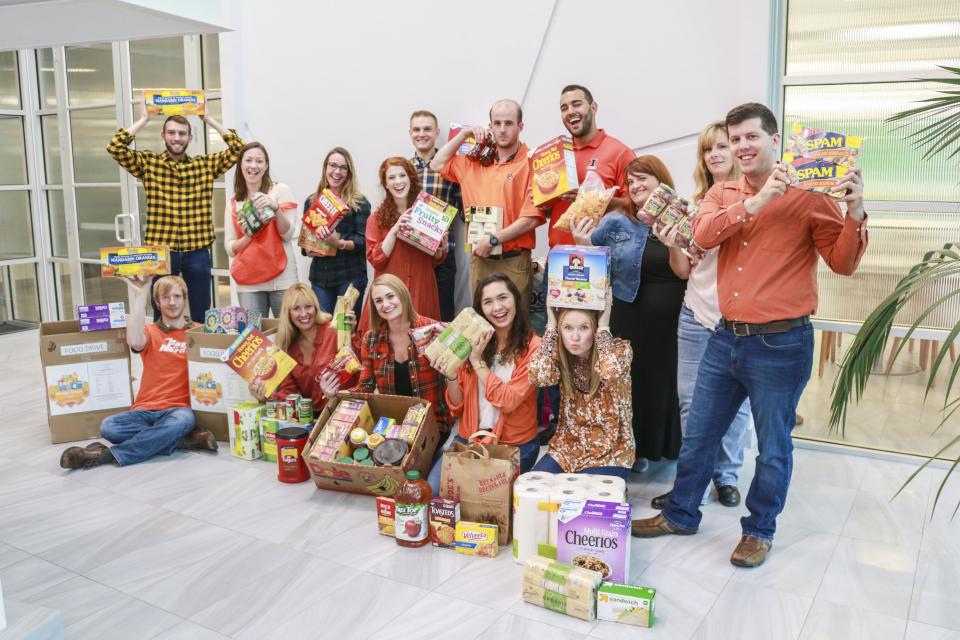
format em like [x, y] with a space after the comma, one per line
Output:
[134, 261]
[100, 317]
[454, 340]
[245, 429]
[626, 603]
[429, 220]
[257, 359]
[385, 514]
[595, 536]
[444, 516]
[481, 222]
[577, 277]
[808, 142]
[476, 539]
[554, 170]
[813, 174]
[175, 102]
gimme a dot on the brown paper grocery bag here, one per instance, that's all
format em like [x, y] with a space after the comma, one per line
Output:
[481, 476]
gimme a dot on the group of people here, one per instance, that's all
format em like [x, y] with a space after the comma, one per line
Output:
[689, 349]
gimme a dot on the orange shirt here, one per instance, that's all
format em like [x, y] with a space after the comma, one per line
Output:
[767, 268]
[502, 184]
[612, 158]
[165, 382]
[303, 378]
[516, 399]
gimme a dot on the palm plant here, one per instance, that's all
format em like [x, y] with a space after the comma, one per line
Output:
[939, 136]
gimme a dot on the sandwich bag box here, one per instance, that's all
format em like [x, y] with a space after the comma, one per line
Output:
[86, 378]
[214, 386]
[626, 603]
[175, 102]
[577, 277]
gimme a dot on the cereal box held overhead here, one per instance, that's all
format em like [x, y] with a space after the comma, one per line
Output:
[553, 170]
[134, 261]
[577, 277]
[175, 102]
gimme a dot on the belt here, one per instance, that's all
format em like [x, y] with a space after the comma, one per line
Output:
[743, 329]
[507, 254]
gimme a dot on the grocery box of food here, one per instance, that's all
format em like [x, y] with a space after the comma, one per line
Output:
[134, 261]
[175, 102]
[429, 219]
[100, 317]
[815, 174]
[444, 516]
[553, 170]
[254, 356]
[245, 429]
[477, 539]
[373, 480]
[214, 386]
[386, 509]
[349, 416]
[577, 277]
[626, 603]
[481, 222]
[86, 378]
[454, 341]
[808, 142]
[595, 537]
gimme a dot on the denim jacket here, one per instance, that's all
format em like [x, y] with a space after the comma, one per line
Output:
[626, 239]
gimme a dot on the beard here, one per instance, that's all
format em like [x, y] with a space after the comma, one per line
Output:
[173, 151]
[586, 124]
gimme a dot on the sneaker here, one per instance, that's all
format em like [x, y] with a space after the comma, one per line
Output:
[199, 440]
[79, 458]
[655, 527]
[751, 552]
[728, 495]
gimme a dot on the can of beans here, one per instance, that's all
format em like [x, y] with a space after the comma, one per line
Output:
[305, 410]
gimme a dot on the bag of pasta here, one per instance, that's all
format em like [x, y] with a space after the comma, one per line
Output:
[592, 200]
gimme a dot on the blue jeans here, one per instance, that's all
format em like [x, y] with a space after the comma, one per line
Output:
[528, 457]
[770, 370]
[262, 301]
[548, 465]
[140, 434]
[194, 267]
[327, 296]
[692, 340]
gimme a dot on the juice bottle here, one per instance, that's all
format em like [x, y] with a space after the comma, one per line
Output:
[412, 503]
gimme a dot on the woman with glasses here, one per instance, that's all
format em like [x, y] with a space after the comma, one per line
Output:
[331, 275]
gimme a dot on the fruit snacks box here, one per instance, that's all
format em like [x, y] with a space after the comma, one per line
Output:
[454, 341]
[245, 429]
[577, 277]
[134, 261]
[225, 320]
[814, 174]
[626, 603]
[477, 539]
[481, 222]
[429, 220]
[175, 102]
[554, 170]
[444, 516]
[100, 317]
[257, 359]
[807, 142]
[595, 537]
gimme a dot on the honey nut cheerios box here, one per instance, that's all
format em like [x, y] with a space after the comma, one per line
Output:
[134, 261]
[553, 168]
[257, 359]
[577, 277]
[175, 102]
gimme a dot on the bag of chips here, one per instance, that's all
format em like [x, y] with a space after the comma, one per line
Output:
[592, 200]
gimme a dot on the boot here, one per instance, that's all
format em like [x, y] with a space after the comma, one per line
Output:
[199, 440]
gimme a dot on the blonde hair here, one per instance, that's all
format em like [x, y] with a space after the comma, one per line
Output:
[162, 286]
[350, 191]
[396, 285]
[287, 332]
[565, 358]
[702, 177]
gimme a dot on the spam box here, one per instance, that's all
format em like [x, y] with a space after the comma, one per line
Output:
[99, 317]
[257, 359]
[815, 174]
[175, 102]
[626, 603]
[134, 261]
[245, 429]
[429, 220]
[577, 277]
[481, 222]
[808, 142]
[554, 170]
[378, 481]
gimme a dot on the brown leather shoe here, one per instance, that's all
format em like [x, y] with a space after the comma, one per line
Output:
[96, 447]
[198, 440]
[751, 552]
[79, 458]
[655, 527]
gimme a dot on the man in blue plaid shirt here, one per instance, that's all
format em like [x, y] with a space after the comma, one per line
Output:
[424, 133]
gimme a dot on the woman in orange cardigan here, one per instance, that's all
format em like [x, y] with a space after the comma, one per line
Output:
[492, 390]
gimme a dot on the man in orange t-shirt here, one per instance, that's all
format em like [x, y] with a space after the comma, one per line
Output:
[161, 419]
[503, 183]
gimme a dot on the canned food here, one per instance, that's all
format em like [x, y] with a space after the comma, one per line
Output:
[374, 440]
[293, 404]
[361, 454]
[357, 436]
[391, 452]
[305, 410]
[271, 409]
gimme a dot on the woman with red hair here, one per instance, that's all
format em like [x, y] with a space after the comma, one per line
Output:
[387, 253]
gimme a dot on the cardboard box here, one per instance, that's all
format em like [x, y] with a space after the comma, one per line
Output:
[175, 102]
[87, 378]
[430, 219]
[626, 603]
[553, 170]
[134, 261]
[577, 277]
[380, 481]
[215, 387]
[245, 429]
[98, 317]
[481, 222]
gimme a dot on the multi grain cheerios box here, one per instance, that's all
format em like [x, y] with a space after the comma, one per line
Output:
[595, 535]
[175, 102]
[577, 277]
[553, 170]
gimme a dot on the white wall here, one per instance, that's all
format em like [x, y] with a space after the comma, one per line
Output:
[302, 78]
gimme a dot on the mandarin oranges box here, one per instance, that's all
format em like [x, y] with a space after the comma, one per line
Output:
[134, 261]
[553, 170]
[175, 102]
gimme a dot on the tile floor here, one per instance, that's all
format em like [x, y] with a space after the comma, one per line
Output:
[197, 546]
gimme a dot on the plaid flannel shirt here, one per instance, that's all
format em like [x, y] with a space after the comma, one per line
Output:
[346, 265]
[434, 184]
[377, 372]
[179, 194]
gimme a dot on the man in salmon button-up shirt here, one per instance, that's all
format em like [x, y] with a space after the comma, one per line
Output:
[769, 233]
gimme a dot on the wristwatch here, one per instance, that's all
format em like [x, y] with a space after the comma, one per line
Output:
[494, 240]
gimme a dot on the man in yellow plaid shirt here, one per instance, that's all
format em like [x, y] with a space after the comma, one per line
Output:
[179, 191]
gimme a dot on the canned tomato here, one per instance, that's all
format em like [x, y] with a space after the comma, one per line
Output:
[293, 402]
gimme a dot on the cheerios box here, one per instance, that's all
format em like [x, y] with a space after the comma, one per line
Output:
[175, 102]
[595, 535]
[577, 277]
[553, 170]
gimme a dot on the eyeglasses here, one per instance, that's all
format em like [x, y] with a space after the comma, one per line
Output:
[342, 168]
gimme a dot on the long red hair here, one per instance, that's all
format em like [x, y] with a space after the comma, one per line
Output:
[387, 213]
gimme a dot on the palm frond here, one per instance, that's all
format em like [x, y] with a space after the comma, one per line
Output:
[943, 132]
